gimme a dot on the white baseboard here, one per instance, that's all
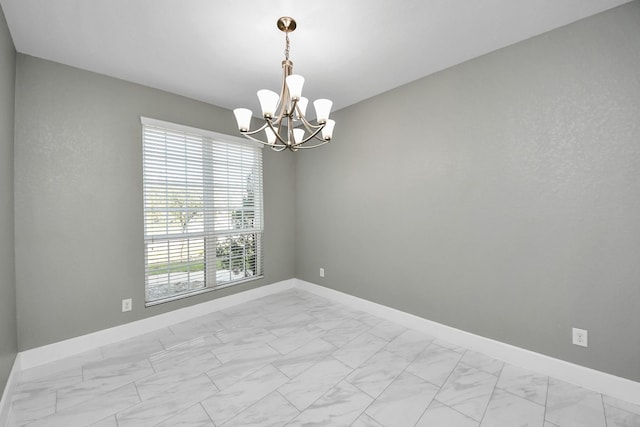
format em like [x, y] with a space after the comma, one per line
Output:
[73, 346]
[12, 381]
[620, 388]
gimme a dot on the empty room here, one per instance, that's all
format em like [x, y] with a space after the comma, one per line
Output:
[341, 213]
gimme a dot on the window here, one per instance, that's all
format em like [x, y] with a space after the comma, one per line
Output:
[203, 218]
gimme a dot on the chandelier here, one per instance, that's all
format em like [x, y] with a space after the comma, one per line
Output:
[285, 124]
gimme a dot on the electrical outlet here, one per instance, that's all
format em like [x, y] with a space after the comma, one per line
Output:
[580, 337]
[321, 272]
[126, 304]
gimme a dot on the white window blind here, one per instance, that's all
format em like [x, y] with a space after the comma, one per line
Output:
[203, 216]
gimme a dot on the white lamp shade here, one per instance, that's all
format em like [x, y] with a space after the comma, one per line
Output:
[295, 83]
[298, 135]
[243, 117]
[323, 108]
[302, 105]
[271, 137]
[327, 130]
[268, 102]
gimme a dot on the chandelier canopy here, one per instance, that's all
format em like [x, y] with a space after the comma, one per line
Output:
[285, 124]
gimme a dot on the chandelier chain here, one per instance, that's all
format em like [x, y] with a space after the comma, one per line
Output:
[286, 50]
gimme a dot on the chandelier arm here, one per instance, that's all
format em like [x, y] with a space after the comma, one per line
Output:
[314, 129]
[276, 132]
[253, 138]
[249, 135]
[253, 132]
[320, 138]
[308, 138]
[278, 148]
[290, 134]
[310, 126]
[324, 141]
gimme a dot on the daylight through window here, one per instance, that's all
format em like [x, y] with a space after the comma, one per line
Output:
[203, 218]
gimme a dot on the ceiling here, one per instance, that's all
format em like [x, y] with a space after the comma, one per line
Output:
[222, 52]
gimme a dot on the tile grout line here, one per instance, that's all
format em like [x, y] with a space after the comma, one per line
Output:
[546, 400]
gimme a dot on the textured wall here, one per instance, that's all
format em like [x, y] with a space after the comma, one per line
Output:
[78, 179]
[8, 339]
[500, 196]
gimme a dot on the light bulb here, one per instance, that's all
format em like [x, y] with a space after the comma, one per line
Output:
[302, 105]
[271, 136]
[243, 117]
[295, 83]
[323, 108]
[327, 130]
[298, 135]
[268, 102]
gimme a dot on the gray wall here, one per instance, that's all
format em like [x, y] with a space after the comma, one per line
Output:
[500, 196]
[8, 338]
[78, 199]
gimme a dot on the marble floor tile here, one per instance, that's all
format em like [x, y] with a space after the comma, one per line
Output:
[194, 328]
[227, 351]
[248, 316]
[359, 349]
[47, 383]
[330, 323]
[449, 345]
[365, 420]
[297, 359]
[482, 362]
[572, 406]
[524, 383]
[178, 340]
[310, 385]
[154, 385]
[93, 410]
[212, 320]
[141, 346]
[100, 377]
[301, 359]
[345, 332]
[110, 421]
[366, 318]
[620, 404]
[296, 339]
[409, 344]
[228, 403]
[243, 335]
[439, 415]
[241, 365]
[340, 406]
[378, 372]
[468, 391]
[191, 354]
[617, 417]
[32, 406]
[284, 323]
[272, 411]
[195, 416]
[387, 330]
[621, 414]
[167, 404]
[435, 364]
[508, 410]
[73, 364]
[403, 402]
